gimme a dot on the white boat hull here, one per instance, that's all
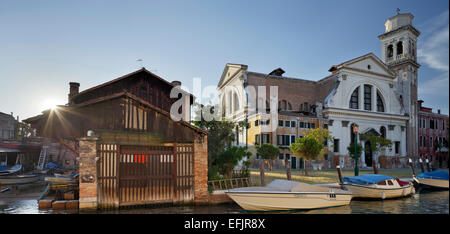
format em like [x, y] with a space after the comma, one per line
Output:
[20, 179]
[434, 183]
[360, 191]
[288, 201]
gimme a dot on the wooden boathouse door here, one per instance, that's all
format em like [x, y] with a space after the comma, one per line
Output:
[135, 175]
[146, 175]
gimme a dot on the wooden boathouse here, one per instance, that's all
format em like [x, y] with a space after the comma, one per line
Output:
[130, 150]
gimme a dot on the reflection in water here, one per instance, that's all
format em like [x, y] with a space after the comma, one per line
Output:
[422, 203]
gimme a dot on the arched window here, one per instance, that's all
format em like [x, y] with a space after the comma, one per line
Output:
[354, 104]
[390, 51]
[399, 48]
[380, 104]
[223, 106]
[284, 105]
[367, 97]
[236, 102]
[230, 102]
[409, 47]
[383, 131]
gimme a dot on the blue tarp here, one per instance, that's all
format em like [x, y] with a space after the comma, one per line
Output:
[438, 175]
[53, 165]
[366, 179]
[4, 168]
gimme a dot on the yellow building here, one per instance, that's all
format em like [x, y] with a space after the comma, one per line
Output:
[289, 127]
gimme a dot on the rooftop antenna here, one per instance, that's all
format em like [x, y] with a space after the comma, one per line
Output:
[398, 11]
[140, 62]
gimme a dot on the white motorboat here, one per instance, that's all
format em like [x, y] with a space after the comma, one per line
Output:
[288, 195]
[374, 186]
[433, 180]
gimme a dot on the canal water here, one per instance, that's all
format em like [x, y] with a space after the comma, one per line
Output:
[426, 202]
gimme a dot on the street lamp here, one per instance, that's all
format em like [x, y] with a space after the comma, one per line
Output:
[355, 131]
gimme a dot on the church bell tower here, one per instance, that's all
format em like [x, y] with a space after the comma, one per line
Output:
[399, 53]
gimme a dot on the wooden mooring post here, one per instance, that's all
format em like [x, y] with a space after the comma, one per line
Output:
[339, 171]
[411, 164]
[428, 165]
[374, 165]
[421, 165]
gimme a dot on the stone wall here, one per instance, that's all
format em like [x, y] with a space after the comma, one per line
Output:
[201, 194]
[88, 173]
[388, 162]
[60, 154]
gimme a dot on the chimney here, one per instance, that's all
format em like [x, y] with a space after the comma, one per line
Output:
[333, 69]
[176, 83]
[277, 72]
[420, 103]
[74, 89]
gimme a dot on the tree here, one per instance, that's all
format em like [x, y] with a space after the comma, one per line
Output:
[244, 125]
[219, 138]
[306, 148]
[351, 151]
[437, 149]
[312, 145]
[377, 143]
[267, 152]
[229, 158]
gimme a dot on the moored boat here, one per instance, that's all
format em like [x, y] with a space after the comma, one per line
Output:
[18, 179]
[433, 180]
[11, 170]
[288, 195]
[374, 186]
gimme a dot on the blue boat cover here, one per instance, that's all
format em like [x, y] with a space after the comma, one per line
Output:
[366, 179]
[4, 168]
[438, 175]
[53, 165]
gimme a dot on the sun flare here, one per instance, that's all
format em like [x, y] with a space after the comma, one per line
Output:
[50, 104]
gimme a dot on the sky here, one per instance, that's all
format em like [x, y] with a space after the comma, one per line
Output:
[44, 45]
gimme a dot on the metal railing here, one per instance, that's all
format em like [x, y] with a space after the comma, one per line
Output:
[230, 183]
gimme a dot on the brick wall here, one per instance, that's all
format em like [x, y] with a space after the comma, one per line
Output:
[88, 173]
[201, 194]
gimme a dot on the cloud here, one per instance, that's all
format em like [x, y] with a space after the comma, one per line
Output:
[432, 86]
[433, 24]
[434, 50]
[433, 53]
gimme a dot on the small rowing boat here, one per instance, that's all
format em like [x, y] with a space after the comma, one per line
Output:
[18, 179]
[374, 186]
[433, 180]
[11, 170]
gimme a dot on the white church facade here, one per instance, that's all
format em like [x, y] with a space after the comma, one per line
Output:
[377, 95]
